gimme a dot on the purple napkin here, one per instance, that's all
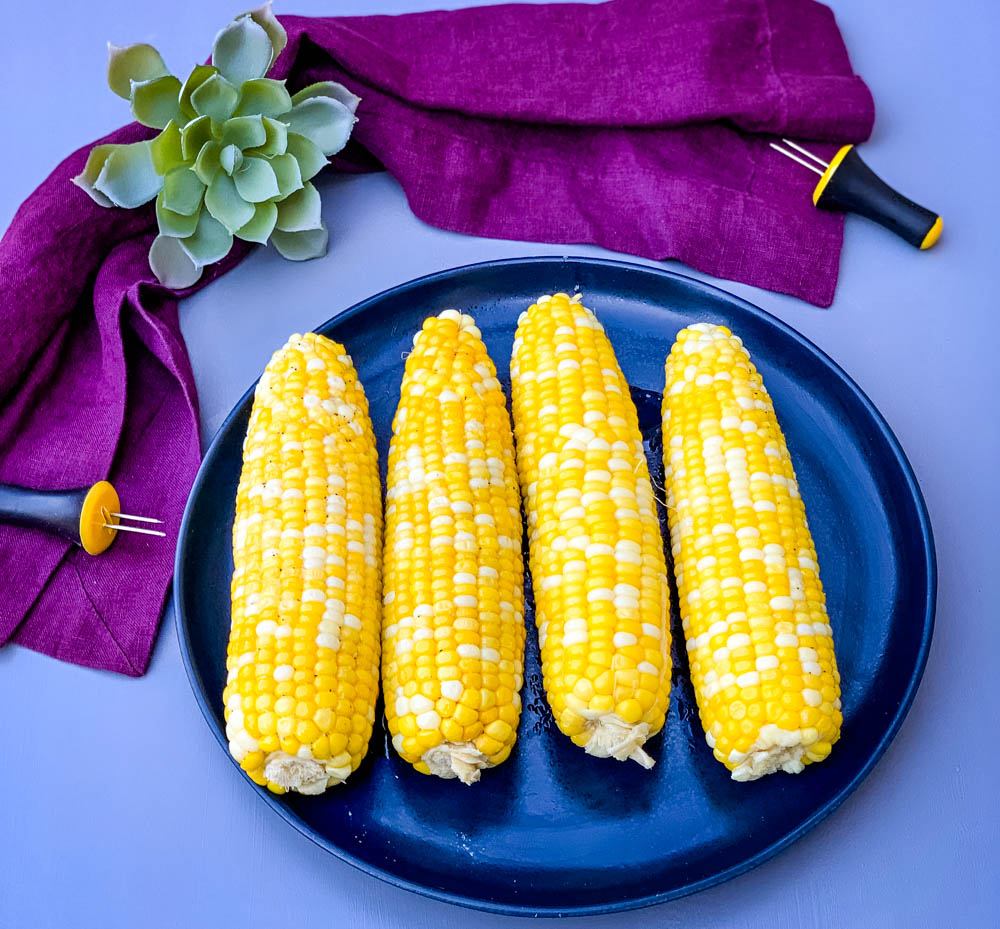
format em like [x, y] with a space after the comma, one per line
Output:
[636, 125]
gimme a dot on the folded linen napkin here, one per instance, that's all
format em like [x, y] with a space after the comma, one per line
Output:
[639, 125]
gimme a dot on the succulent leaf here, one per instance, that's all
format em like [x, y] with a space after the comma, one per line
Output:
[172, 265]
[92, 170]
[166, 149]
[174, 224]
[263, 97]
[255, 180]
[266, 19]
[128, 177]
[275, 141]
[215, 97]
[242, 51]
[260, 227]
[287, 173]
[210, 243]
[230, 158]
[224, 202]
[308, 154]
[199, 74]
[244, 132]
[194, 135]
[301, 246]
[330, 89]
[300, 211]
[208, 163]
[323, 120]
[155, 103]
[139, 62]
[182, 191]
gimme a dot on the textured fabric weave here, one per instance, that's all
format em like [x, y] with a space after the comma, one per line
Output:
[637, 125]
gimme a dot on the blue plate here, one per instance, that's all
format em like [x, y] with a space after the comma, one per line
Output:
[554, 831]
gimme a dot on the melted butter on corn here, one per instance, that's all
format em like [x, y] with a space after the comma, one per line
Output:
[596, 554]
[759, 642]
[304, 642]
[453, 626]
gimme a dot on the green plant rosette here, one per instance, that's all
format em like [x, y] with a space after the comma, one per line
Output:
[235, 155]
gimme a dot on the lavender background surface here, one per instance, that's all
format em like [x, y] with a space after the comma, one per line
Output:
[170, 836]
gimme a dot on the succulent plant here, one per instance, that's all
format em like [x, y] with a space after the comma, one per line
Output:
[235, 154]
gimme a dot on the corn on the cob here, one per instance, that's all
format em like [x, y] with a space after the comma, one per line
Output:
[453, 630]
[304, 644]
[759, 640]
[596, 555]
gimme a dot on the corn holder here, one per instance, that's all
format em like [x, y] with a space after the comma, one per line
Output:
[847, 184]
[88, 516]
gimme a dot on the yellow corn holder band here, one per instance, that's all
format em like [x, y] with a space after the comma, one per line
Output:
[931, 238]
[829, 172]
[98, 506]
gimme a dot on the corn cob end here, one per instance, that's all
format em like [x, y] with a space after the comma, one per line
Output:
[303, 775]
[775, 749]
[454, 759]
[609, 736]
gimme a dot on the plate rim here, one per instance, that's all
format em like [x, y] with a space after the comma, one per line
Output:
[765, 854]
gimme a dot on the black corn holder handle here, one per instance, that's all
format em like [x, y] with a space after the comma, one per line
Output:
[86, 516]
[55, 511]
[848, 184]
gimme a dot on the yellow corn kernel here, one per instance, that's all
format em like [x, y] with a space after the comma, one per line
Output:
[759, 642]
[453, 626]
[302, 659]
[596, 553]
